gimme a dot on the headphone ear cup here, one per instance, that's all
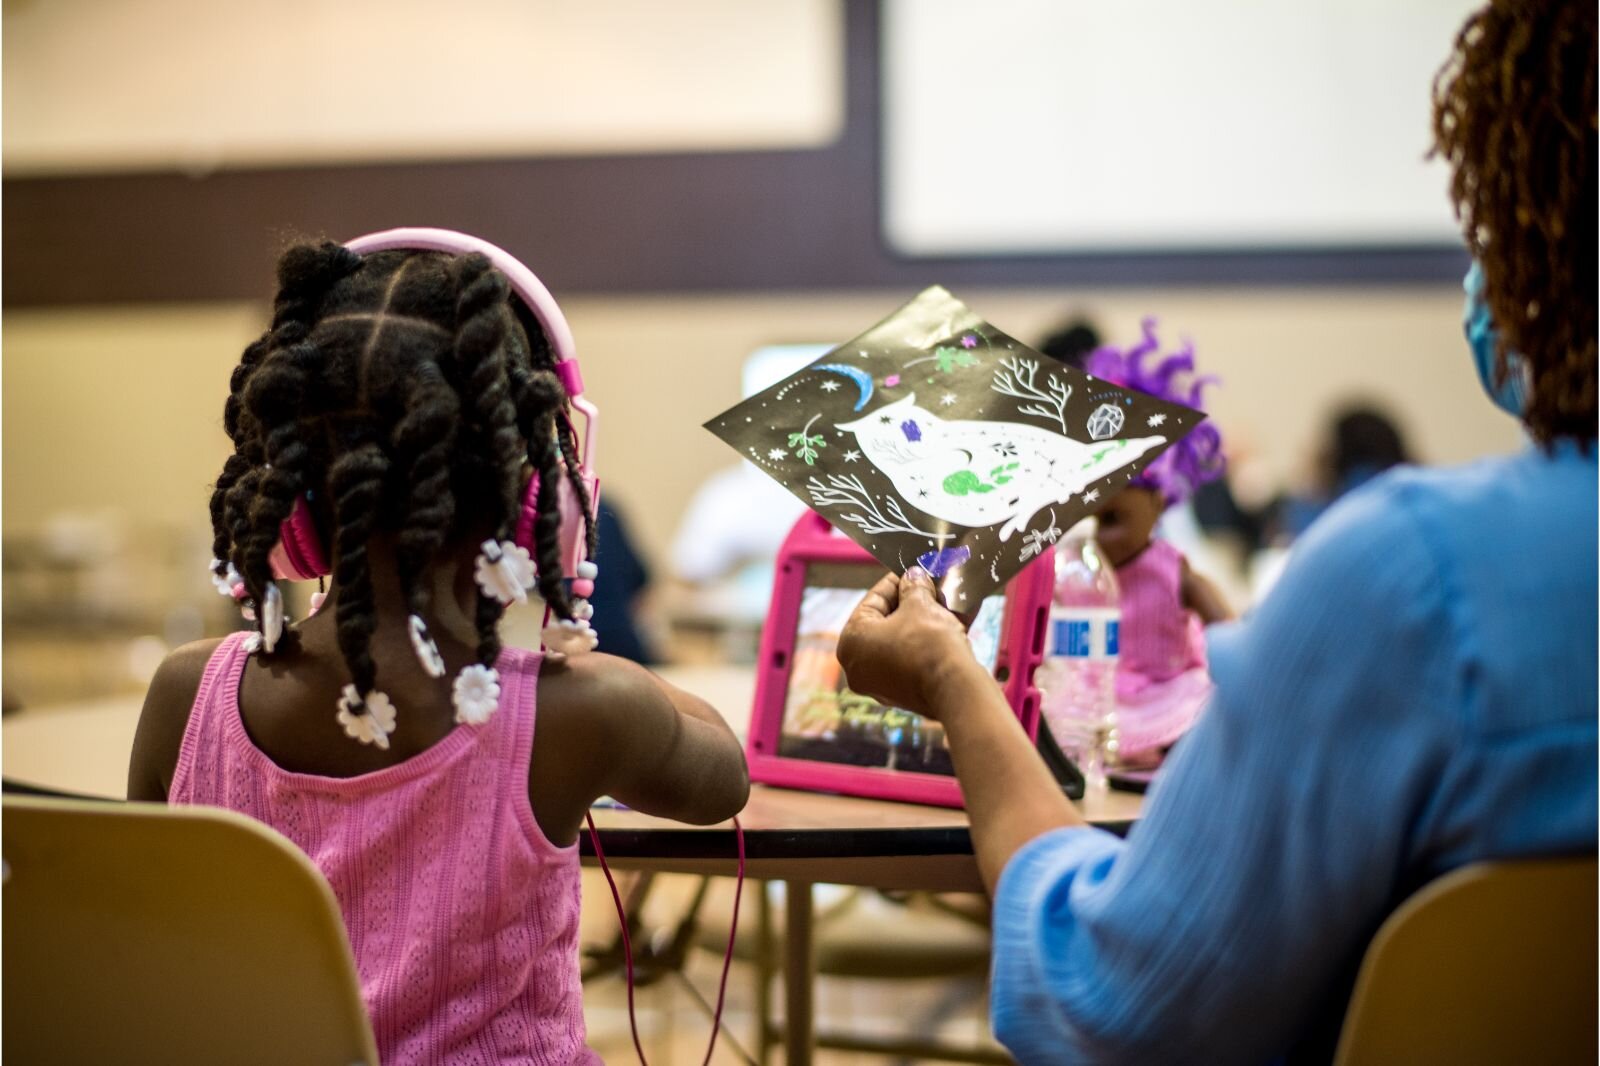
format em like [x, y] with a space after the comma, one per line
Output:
[298, 555]
[573, 542]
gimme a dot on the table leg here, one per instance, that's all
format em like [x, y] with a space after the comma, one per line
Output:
[765, 971]
[799, 971]
[609, 959]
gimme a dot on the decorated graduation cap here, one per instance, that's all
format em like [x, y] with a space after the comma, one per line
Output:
[935, 439]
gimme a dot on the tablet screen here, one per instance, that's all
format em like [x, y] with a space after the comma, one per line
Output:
[826, 722]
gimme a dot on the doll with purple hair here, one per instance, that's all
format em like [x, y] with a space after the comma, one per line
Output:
[1162, 677]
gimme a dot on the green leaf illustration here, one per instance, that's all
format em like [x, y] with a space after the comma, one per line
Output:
[805, 445]
[950, 359]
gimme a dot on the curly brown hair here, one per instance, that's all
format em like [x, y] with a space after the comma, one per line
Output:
[400, 392]
[1514, 115]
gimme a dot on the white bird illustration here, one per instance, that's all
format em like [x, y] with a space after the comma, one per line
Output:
[974, 473]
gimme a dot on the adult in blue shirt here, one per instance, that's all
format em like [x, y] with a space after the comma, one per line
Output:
[1417, 693]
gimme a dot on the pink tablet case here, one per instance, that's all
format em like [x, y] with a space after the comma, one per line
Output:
[812, 540]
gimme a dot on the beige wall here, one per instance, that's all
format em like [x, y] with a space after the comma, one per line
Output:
[121, 408]
[117, 410]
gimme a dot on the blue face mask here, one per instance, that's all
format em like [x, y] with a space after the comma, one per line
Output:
[1511, 394]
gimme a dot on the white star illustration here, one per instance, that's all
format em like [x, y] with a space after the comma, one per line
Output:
[830, 386]
[851, 456]
[1157, 419]
[1091, 496]
[947, 399]
[776, 453]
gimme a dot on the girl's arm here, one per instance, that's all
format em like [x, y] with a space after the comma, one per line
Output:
[613, 728]
[163, 720]
[1203, 597]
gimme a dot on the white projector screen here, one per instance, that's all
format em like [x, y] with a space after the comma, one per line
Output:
[1060, 126]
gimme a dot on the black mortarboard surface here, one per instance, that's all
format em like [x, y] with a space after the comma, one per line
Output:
[935, 439]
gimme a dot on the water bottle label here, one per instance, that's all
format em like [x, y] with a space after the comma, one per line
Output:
[1072, 637]
[1083, 633]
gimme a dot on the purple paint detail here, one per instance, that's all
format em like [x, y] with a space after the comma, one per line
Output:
[969, 341]
[912, 431]
[941, 562]
[891, 381]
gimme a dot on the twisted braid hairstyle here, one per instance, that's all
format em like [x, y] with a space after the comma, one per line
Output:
[304, 273]
[1514, 115]
[399, 392]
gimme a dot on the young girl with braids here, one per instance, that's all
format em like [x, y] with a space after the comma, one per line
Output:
[1162, 678]
[437, 778]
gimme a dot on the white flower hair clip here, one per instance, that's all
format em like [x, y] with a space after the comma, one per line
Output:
[230, 583]
[370, 720]
[504, 571]
[225, 582]
[427, 651]
[272, 619]
[570, 636]
[476, 694]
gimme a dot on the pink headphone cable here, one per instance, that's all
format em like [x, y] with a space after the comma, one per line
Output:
[627, 947]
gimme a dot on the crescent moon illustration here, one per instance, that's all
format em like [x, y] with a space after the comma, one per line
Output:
[862, 379]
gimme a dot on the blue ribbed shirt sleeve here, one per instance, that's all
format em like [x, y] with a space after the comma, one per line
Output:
[1275, 840]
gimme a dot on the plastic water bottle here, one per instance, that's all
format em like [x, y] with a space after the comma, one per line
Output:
[1078, 677]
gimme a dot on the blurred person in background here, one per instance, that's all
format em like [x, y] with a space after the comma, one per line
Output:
[1359, 443]
[1072, 342]
[728, 540]
[618, 600]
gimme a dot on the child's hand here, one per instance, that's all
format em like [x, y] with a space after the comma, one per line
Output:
[901, 644]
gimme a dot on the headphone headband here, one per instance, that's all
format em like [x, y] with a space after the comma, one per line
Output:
[523, 281]
[525, 284]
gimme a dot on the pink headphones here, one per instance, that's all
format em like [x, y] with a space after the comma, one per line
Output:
[299, 554]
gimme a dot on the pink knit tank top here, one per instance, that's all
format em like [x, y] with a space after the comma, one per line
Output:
[462, 916]
[1158, 638]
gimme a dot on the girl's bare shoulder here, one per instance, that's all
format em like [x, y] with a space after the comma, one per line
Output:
[594, 690]
[164, 718]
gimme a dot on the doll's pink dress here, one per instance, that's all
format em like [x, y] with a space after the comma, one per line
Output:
[1162, 679]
